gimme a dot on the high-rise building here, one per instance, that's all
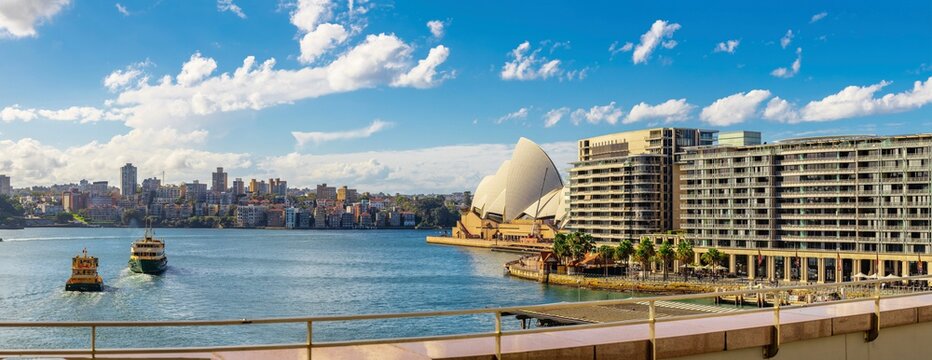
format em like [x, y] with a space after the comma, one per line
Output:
[278, 187]
[326, 193]
[739, 138]
[622, 186]
[128, 182]
[195, 191]
[151, 184]
[816, 201]
[73, 200]
[253, 186]
[238, 187]
[100, 188]
[218, 181]
[5, 187]
[346, 195]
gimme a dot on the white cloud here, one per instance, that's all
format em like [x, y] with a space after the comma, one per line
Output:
[228, 5]
[309, 13]
[668, 111]
[527, 65]
[15, 113]
[818, 17]
[196, 69]
[727, 46]
[785, 73]
[596, 114]
[19, 18]
[658, 31]
[614, 49]
[852, 101]
[669, 44]
[322, 39]
[424, 75]
[786, 39]
[554, 116]
[82, 114]
[734, 109]
[517, 115]
[318, 137]
[123, 78]
[122, 9]
[437, 28]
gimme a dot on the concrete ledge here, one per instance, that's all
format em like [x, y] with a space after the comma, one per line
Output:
[897, 317]
[851, 324]
[632, 350]
[690, 345]
[577, 353]
[747, 338]
[805, 330]
[924, 313]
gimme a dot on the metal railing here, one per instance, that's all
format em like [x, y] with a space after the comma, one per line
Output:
[869, 289]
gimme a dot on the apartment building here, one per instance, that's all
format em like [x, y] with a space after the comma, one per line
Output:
[622, 186]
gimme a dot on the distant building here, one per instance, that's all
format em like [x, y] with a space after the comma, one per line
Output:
[292, 217]
[99, 188]
[5, 188]
[346, 221]
[346, 195]
[304, 219]
[325, 193]
[253, 186]
[365, 220]
[250, 216]
[408, 219]
[73, 200]
[195, 191]
[107, 213]
[278, 187]
[334, 220]
[238, 187]
[739, 138]
[275, 217]
[151, 184]
[128, 182]
[218, 181]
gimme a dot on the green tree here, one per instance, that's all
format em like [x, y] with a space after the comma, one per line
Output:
[561, 247]
[580, 245]
[644, 253]
[666, 253]
[606, 252]
[133, 217]
[624, 251]
[713, 257]
[63, 217]
[685, 255]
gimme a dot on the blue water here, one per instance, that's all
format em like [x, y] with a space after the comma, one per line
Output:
[233, 274]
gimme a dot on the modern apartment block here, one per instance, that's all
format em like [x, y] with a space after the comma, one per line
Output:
[128, 182]
[870, 195]
[5, 188]
[623, 185]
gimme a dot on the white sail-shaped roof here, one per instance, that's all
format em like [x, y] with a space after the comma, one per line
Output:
[519, 183]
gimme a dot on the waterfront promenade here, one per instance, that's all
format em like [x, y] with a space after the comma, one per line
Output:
[884, 325]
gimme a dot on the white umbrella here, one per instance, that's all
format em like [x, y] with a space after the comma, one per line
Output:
[859, 276]
[891, 276]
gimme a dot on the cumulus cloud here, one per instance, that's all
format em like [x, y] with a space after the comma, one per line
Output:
[785, 73]
[529, 65]
[123, 78]
[517, 115]
[727, 46]
[554, 116]
[734, 109]
[81, 114]
[15, 113]
[196, 69]
[122, 9]
[668, 111]
[596, 114]
[852, 101]
[318, 137]
[659, 31]
[818, 17]
[786, 39]
[437, 28]
[19, 18]
[228, 5]
[425, 74]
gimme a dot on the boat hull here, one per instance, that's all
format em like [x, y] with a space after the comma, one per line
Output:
[153, 267]
[85, 287]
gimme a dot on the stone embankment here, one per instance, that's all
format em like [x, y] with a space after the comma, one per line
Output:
[622, 284]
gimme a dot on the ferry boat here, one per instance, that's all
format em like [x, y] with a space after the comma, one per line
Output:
[148, 254]
[84, 274]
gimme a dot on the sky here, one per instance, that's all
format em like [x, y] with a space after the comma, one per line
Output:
[430, 96]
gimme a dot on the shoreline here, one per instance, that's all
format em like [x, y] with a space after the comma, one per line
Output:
[670, 287]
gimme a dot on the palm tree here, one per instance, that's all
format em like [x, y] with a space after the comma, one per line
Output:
[644, 252]
[666, 253]
[580, 245]
[561, 247]
[685, 255]
[606, 251]
[624, 252]
[713, 257]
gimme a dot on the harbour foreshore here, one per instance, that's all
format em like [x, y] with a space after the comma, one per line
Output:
[672, 286]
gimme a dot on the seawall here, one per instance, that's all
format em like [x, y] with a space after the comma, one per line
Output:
[618, 284]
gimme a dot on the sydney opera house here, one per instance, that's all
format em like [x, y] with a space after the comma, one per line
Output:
[524, 200]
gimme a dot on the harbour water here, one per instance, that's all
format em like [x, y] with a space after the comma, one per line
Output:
[234, 274]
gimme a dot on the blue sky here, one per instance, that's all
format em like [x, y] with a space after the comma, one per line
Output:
[364, 93]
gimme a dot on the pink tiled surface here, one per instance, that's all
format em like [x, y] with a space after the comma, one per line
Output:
[571, 338]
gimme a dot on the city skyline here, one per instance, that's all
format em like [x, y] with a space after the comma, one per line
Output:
[786, 70]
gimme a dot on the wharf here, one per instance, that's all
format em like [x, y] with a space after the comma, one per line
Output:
[503, 246]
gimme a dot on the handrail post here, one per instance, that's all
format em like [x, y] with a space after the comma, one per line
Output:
[774, 346]
[498, 335]
[874, 331]
[310, 337]
[93, 342]
[652, 328]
